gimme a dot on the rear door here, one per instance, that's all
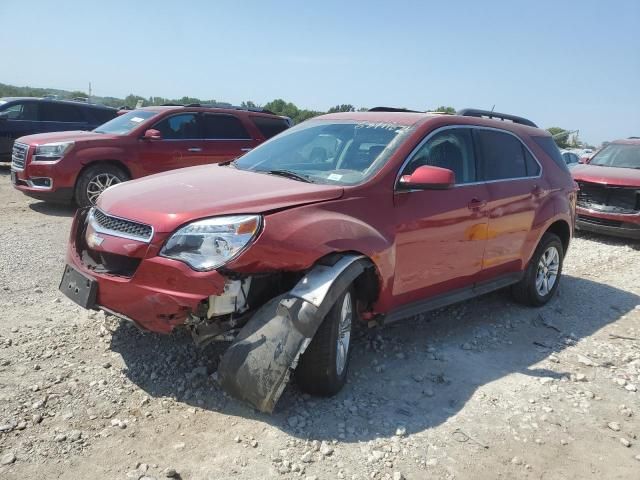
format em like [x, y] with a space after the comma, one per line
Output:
[225, 138]
[516, 189]
[58, 117]
[180, 144]
[17, 120]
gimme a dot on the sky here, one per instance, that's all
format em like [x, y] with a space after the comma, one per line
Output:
[573, 64]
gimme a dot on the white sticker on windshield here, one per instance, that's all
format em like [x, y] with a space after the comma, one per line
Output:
[136, 119]
[335, 176]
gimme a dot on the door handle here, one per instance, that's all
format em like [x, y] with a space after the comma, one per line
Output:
[537, 191]
[476, 204]
[246, 149]
[194, 149]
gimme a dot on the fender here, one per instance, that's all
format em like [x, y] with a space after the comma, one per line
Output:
[257, 365]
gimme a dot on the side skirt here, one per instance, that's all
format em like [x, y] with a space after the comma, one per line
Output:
[450, 298]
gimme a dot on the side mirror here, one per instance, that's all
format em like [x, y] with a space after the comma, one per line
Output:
[583, 160]
[152, 134]
[428, 178]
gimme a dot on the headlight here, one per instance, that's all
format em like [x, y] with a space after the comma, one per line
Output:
[210, 243]
[52, 152]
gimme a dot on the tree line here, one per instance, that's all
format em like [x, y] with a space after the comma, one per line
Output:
[278, 106]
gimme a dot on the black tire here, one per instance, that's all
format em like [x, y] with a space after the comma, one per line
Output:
[83, 196]
[317, 372]
[526, 291]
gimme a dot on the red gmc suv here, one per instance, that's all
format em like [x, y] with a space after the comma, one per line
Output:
[609, 197]
[64, 166]
[371, 216]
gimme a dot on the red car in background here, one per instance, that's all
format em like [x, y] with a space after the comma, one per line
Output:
[66, 166]
[373, 215]
[609, 196]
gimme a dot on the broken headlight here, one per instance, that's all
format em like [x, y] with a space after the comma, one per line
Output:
[210, 243]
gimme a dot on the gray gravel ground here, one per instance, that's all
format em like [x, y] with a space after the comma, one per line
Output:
[482, 390]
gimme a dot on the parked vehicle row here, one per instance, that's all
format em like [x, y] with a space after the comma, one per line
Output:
[371, 216]
[78, 166]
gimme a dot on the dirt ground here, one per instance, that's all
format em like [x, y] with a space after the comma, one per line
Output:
[483, 390]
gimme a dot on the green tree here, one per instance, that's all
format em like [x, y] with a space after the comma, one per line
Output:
[342, 108]
[444, 109]
[560, 135]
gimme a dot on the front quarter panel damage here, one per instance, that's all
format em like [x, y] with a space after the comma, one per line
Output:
[257, 366]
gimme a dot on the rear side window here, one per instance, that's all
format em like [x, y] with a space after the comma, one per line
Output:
[503, 155]
[270, 127]
[551, 149]
[101, 115]
[223, 127]
[59, 112]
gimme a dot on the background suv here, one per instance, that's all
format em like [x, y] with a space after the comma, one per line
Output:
[609, 197]
[26, 116]
[80, 165]
[373, 215]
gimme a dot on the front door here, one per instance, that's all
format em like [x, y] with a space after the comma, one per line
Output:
[515, 192]
[440, 234]
[180, 145]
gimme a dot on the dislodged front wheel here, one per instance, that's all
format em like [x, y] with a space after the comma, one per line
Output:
[322, 369]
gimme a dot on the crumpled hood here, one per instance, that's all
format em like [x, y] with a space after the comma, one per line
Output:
[622, 177]
[77, 136]
[171, 199]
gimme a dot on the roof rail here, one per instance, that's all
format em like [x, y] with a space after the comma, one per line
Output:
[392, 109]
[230, 107]
[634, 138]
[473, 112]
[172, 105]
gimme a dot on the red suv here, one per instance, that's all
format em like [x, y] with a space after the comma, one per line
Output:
[64, 166]
[371, 216]
[609, 197]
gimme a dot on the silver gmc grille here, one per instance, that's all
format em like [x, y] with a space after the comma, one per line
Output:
[19, 156]
[119, 227]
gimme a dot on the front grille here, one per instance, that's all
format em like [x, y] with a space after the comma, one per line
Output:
[19, 156]
[609, 199]
[120, 227]
[599, 221]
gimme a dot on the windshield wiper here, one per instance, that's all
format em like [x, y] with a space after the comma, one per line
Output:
[288, 174]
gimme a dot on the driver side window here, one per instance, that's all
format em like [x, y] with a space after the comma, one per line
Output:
[21, 111]
[179, 127]
[452, 149]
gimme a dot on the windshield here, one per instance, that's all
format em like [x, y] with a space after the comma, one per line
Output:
[123, 124]
[618, 155]
[343, 153]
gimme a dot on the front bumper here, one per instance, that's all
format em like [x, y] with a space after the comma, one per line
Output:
[159, 295]
[619, 225]
[53, 182]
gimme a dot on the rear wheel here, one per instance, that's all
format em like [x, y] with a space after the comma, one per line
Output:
[542, 276]
[95, 180]
[322, 369]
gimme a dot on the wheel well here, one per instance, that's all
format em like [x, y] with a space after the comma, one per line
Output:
[561, 229]
[115, 163]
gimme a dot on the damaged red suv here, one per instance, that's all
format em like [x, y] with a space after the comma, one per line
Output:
[370, 216]
[609, 197]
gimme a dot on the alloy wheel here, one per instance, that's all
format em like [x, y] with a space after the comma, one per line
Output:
[344, 334]
[547, 273]
[99, 184]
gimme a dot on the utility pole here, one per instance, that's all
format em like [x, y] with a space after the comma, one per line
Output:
[89, 99]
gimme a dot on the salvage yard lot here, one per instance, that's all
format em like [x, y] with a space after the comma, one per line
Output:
[485, 389]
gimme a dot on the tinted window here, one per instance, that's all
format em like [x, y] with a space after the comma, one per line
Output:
[533, 167]
[179, 127]
[551, 149]
[452, 149]
[101, 115]
[59, 112]
[502, 155]
[21, 111]
[223, 127]
[270, 127]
